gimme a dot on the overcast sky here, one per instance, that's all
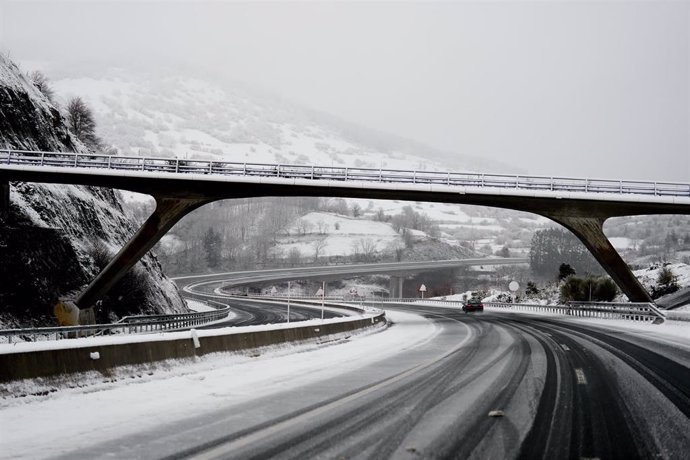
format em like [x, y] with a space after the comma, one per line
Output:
[597, 89]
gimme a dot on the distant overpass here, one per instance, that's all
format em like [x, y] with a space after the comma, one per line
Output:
[397, 270]
[181, 186]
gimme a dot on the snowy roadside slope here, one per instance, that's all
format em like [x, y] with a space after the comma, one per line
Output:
[649, 276]
[129, 403]
[51, 230]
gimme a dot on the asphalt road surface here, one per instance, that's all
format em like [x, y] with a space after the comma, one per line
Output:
[564, 390]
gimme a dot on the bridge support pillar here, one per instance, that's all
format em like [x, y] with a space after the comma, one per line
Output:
[396, 287]
[4, 199]
[590, 230]
[168, 212]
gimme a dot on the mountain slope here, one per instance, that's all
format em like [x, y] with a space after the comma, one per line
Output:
[167, 114]
[55, 237]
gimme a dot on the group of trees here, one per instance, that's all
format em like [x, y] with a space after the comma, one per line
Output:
[233, 234]
[78, 115]
[552, 246]
[576, 288]
[236, 234]
[410, 219]
[666, 283]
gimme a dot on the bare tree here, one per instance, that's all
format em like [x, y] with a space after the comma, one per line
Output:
[397, 248]
[41, 82]
[365, 249]
[322, 226]
[318, 246]
[294, 256]
[82, 123]
[304, 226]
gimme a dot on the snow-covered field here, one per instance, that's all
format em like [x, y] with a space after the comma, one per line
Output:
[334, 235]
[648, 276]
[99, 408]
[196, 305]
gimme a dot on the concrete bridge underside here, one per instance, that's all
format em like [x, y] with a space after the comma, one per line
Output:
[176, 197]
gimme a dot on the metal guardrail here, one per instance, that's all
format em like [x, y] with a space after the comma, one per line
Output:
[606, 310]
[145, 324]
[645, 312]
[291, 171]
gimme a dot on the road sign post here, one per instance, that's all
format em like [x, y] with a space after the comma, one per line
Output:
[422, 289]
[323, 296]
[288, 303]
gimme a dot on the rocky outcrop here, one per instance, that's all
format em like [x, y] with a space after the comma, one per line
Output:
[56, 237]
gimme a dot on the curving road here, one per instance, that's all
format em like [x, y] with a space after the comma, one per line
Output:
[254, 312]
[242, 278]
[565, 390]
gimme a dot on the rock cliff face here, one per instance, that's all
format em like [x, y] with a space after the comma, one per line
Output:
[56, 238]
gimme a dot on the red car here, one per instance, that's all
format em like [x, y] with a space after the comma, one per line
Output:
[473, 305]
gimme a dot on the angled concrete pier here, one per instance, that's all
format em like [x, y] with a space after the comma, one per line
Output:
[168, 212]
[4, 199]
[590, 230]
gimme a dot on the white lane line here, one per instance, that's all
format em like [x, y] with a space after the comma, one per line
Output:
[581, 379]
[565, 347]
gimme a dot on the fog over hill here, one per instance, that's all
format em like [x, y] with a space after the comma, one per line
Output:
[169, 114]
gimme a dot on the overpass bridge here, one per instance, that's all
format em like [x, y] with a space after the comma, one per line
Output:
[181, 186]
[397, 271]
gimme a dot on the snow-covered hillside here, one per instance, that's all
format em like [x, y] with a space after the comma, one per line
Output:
[172, 115]
[331, 235]
[649, 276]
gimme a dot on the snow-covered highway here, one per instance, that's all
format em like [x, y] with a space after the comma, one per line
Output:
[422, 388]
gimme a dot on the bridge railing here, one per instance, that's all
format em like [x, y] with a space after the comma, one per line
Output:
[291, 171]
[144, 324]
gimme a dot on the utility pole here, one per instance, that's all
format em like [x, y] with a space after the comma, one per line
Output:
[288, 314]
[323, 296]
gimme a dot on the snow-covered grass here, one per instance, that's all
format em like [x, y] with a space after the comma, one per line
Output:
[649, 276]
[336, 235]
[621, 243]
[196, 305]
[97, 408]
